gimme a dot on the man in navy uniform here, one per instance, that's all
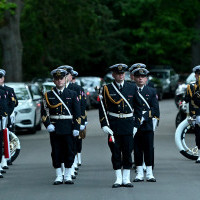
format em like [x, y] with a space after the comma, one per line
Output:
[118, 100]
[61, 116]
[78, 89]
[193, 98]
[144, 138]
[136, 66]
[3, 114]
[82, 134]
[12, 102]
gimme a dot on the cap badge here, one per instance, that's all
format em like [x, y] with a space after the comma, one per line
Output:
[120, 67]
[58, 73]
[141, 71]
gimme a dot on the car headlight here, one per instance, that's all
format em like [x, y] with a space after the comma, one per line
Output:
[26, 110]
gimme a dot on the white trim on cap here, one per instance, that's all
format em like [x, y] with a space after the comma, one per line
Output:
[116, 65]
[2, 71]
[196, 68]
[135, 70]
[136, 65]
[55, 70]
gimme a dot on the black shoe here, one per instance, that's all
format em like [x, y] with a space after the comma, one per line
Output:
[69, 182]
[76, 168]
[79, 164]
[73, 177]
[151, 180]
[138, 180]
[116, 185]
[128, 185]
[197, 161]
[2, 171]
[76, 173]
[9, 162]
[1, 176]
[57, 183]
[5, 167]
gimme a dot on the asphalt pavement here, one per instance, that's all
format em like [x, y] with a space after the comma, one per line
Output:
[31, 175]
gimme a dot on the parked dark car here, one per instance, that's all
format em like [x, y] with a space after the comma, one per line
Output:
[89, 83]
[158, 86]
[168, 77]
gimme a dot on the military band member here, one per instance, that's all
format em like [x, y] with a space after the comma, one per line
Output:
[3, 114]
[136, 66]
[144, 138]
[193, 98]
[78, 141]
[12, 102]
[82, 134]
[116, 117]
[61, 116]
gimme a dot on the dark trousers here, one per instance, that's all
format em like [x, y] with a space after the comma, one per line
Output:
[197, 135]
[79, 145]
[144, 148]
[62, 150]
[121, 151]
[1, 145]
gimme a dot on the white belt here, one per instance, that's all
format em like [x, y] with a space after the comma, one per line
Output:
[121, 115]
[61, 116]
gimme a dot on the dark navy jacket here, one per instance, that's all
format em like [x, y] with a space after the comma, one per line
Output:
[149, 95]
[52, 106]
[121, 126]
[3, 104]
[192, 97]
[11, 99]
[79, 90]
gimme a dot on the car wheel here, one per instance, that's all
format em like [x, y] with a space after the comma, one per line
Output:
[39, 127]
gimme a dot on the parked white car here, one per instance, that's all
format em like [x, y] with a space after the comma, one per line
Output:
[47, 86]
[28, 111]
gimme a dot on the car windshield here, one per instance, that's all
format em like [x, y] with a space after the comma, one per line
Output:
[162, 75]
[22, 93]
[47, 88]
[191, 78]
[91, 82]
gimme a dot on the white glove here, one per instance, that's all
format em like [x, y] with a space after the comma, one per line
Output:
[142, 120]
[12, 118]
[75, 133]
[155, 123]
[51, 128]
[86, 123]
[107, 130]
[4, 122]
[134, 131]
[82, 127]
[198, 119]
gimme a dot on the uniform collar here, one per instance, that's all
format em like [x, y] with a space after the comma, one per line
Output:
[59, 90]
[140, 87]
[118, 84]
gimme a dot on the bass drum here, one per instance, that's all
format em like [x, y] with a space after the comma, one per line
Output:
[14, 146]
[185, 140]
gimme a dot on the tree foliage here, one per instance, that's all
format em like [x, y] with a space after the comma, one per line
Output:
[91, 35]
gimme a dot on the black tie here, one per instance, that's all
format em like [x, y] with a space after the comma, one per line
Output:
[140, 90]
[120, 87]
[60, 93]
